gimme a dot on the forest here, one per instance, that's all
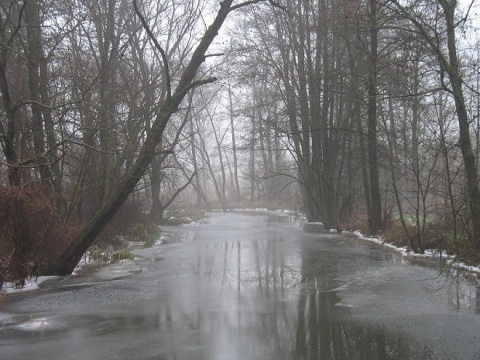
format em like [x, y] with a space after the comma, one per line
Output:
[357, 113]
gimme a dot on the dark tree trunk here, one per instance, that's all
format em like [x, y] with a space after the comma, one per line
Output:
[375, 215]
[465, 144]
[72, 255]
[157, 210]
[450, 65]
[34, 58]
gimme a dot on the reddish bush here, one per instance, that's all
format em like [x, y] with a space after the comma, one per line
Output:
[32, 232]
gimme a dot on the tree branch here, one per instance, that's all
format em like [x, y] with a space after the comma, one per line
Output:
[197, 83]
[19, 25]
[158, 47]
[179, 190]
[252, 2]
[26, 164]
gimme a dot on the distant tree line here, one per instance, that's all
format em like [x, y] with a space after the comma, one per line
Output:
[378, 101]
[352, 111]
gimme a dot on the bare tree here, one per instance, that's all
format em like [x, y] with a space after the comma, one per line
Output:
[449, 64]
[231, 111]
[170, 106]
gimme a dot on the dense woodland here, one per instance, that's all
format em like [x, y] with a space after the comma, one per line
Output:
[359, 113]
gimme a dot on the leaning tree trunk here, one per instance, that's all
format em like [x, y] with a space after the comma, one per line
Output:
[72, 255]
[157, 208]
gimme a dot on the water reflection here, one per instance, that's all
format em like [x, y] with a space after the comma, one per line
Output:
[325, 330]
[243, 290]
[462, 288]
[270, 298]
[279, 300]
[275, 219]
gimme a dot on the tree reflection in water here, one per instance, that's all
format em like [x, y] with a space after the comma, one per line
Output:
[270, 298]
[325, 330]
[243, 290]
[271, 282]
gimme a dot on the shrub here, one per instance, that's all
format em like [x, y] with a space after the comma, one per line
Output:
[98, 255]
[147, 232]
[122, 254]
[32, 231]
[106, 256]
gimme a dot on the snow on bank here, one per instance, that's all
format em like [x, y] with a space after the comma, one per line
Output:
[31, 283]
[429, 253]
[123, 268]
[265, 210]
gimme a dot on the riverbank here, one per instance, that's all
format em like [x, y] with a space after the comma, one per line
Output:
[432, 258]
[93, 271]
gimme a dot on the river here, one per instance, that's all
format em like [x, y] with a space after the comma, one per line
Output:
[249, 287]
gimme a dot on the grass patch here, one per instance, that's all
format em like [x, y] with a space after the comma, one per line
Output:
[147, 233]
[98, 255]
[116, 248]
[109, 256]
[122, 254]
[151, 235]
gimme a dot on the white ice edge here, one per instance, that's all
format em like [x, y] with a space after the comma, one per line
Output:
[31, 283]
[429, 253]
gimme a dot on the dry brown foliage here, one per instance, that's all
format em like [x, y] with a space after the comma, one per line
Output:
[394, 233]
[32, 231]
[358, 221]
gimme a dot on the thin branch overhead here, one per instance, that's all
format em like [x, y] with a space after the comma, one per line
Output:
[252, 2]
[157, 46]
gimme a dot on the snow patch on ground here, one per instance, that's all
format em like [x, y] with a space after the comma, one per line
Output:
[34, 324]
[429, 253]
[266, 210]
[31, 283]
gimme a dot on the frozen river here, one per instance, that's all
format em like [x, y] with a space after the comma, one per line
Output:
[248, 287]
